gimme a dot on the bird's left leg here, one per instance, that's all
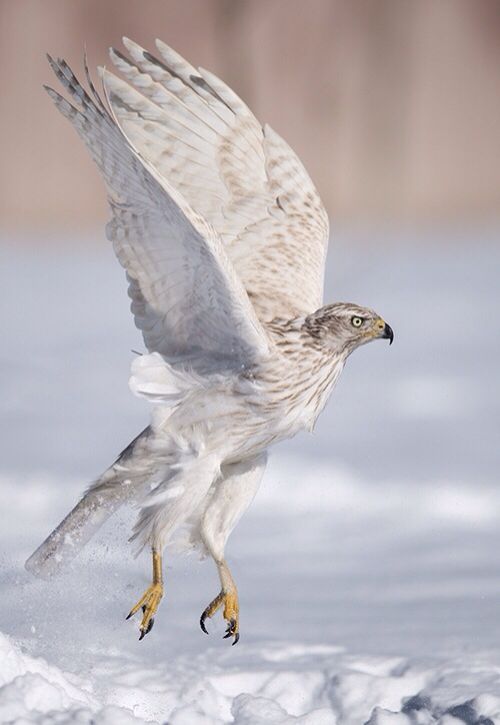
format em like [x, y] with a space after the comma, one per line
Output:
[230, 496]
[161, 515]
[150, 600]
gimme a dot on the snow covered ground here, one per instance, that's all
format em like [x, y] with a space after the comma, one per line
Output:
[368, 566]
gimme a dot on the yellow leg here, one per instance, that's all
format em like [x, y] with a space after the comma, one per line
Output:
[228, 596]
[150, 600]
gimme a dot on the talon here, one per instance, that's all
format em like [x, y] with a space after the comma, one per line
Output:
[214, 605]
[147, 629]
[148, 603]
[230, 613]
[202, 623]
[231, 632]
[231, 628]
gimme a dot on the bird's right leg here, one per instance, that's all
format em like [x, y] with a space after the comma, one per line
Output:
[228, 599]
[150, 600]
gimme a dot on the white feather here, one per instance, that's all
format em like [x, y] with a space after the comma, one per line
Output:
[242, 178]
[157, 381]
[186, 297]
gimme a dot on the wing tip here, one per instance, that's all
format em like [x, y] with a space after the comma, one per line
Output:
[159, 43]
[133, 48]
[53, 63]
[116, 54]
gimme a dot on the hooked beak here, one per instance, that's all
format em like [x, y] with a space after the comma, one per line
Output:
[387, 333]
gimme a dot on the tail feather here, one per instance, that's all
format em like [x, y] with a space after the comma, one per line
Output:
[120, 483]
[74, 531]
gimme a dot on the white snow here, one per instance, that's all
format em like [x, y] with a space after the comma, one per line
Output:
[368, 565]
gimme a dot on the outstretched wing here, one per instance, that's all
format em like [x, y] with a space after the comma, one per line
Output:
[241, 177]
[186, 297]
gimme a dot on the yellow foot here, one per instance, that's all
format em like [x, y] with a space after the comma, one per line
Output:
[149, 603]
[231, 613]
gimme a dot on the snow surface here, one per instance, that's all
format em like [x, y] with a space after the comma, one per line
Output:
[368, 565]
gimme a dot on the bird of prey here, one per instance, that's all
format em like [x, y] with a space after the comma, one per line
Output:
[223, 238]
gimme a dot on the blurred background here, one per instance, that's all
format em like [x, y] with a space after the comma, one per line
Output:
[389, 513]
[393, 105]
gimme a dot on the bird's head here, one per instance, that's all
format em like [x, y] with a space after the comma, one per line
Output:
[344, 326]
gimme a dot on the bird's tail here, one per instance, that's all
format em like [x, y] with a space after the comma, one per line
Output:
[117, 485]
[74, 531]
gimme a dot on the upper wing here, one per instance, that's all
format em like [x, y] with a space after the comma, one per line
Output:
[186, 297]
[243, 178]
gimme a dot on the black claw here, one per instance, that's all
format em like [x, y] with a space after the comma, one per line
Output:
[128, 616]
[148, 629]
[202, 623]
[230, 632]
[143, 609]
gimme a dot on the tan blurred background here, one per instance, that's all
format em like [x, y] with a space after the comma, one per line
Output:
[393, 105]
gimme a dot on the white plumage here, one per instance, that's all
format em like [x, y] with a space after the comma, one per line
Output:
[241, 177]
[223, 238]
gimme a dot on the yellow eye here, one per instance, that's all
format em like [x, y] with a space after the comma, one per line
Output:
[356, 321]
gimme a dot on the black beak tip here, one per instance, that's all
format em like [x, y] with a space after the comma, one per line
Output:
[388, 333]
